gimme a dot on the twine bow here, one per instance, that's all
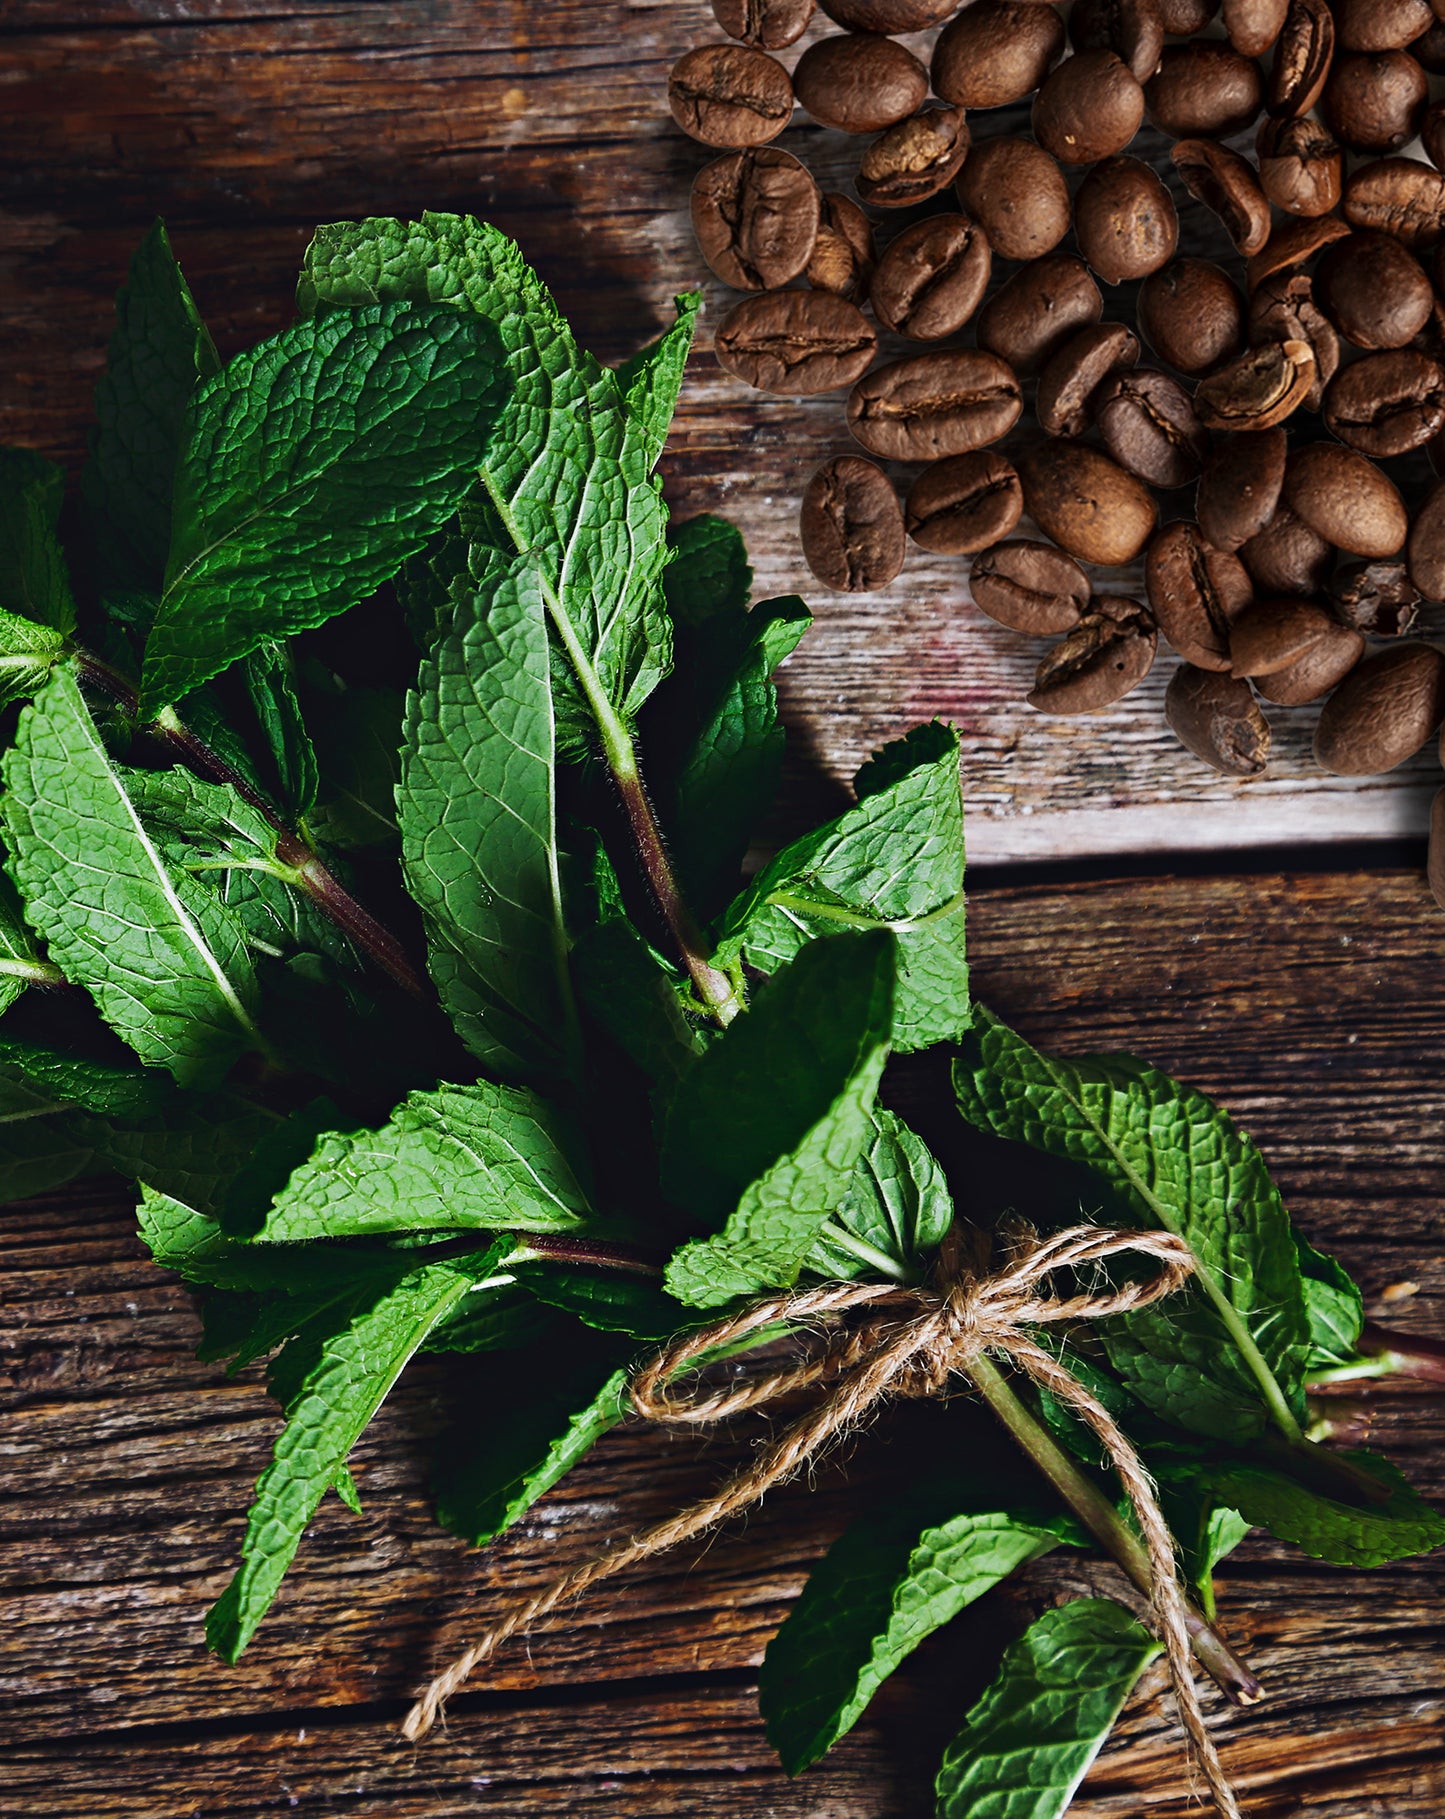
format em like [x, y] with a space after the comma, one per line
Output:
[919, 1338]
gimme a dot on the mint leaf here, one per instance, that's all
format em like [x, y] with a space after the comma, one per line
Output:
[270, 681]
[459, 1158]
[650, 380]
[159, 354]
[637, 997]
[41, 1147]
[20, 962]
[768, 1125]
[165, 963]
[894, 1214]
[708, 575]
[478, 816]
[80, 1081]
[357, 736]
[894, 861]
[603, 1298]
[1347, 1534]
[34, 582]
[884, 1587]
[315, 464]
[1028, 1743]
[1334, 1307]
[1227, 1354]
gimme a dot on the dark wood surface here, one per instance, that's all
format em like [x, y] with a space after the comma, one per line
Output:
[1312, 1002]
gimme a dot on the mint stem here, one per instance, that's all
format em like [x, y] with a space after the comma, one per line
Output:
[553, 1248]
[1406, 1354]
[1108, 1527]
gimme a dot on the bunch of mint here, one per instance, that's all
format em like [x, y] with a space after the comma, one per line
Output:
[348, 652]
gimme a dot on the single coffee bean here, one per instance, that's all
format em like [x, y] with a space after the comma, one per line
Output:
[1258, 388]
[1240, 487]
[1132, 29]
[1288, 557]
[1374, 290]
[1252, 26]
[1074, 373]
[1380, 25]
[1387, 404]
[1196, 593]
[1183, 18]
[932, 405]
[1192, 315]
[964, 504]
[1435, 863]
[1089, 505]
[771, 25]
[932, 278]
[1284, 309]
[1302, 55]
[1110, 651]
[1016, 192]
[755, 215]
[1227, 184]
[1036, 311]
[1383, 712]
[1429, 50]
[1030, 587]
[795, 342]
[1376, 598]
[1432, 133]
[1375, 103]
[730, 94]
[1271, 635]
[1425, 554]
[996, 51]
[888, 15]
[852, 526]
[1089, 108]
[914, 160]
[859, 83]
[1218, 719]
[1204, 89]
[1149, 426]
[1346, 499]
[1124, 220]
[843, 256]
[1398, 196]
[1323, 667]
[1300, 166]
[1295, 243]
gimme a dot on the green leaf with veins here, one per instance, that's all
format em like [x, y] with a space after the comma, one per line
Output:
[894, 1214]
[893, 861]
[611, 1300]
[1334, 1307]
[456, 1159]
[103, 1087]
[357, 735]
[506, 1319]
[1028, 1742]
[883, 1588]
[708, 575]
[767, 1127]
[20, 961]
[1226, 1355]
[165, 962]
[315, 464]
[270, 678]
[651, 379]
[637, 997]
[192, 1150]
[34, 581]
[41, 1146]
[478, 814]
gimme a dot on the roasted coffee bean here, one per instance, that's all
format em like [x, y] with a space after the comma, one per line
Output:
[1132, 29]
[1192, 315]
[932, 278]
[1300, 166]
[755, 215]
[1429, 50]
[1375, 103]
[1042, 304]
[1271, 635]
[843, 258]
[1149, 426]
[795, 342]
[1432, 134]
[1323, 667]
[859, 83]
[1374, 290]
[1435, 863]
[1183, 18]
[1252, 26]
[1016, 192]
[1284, 309]
[1204, 89]
[1258, 388]
[932, 405]
[1074, 373]
[770, 24]
[1288, 557]
[914, 160]
[1346, 499]
[1380, 25]
[1087, 503]
[1302, 55]
[1196, 593]
[852, 526]
[1240, 487]
[888, 15]
[1110, 651]
[1030, 587]
[1124, 220]
[1377, 598]
[996, 51]
[1425, 554]
[1295, 243]
[1398, 196]
[1383, 712]
[1227, 184]
[730, 94]
[1089, 108]
[964, 504]
[1218, 719]
[1387, 404]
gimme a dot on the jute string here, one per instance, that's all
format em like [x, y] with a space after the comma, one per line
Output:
[918, 1338]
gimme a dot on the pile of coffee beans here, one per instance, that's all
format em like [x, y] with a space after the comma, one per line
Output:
[1291, 392]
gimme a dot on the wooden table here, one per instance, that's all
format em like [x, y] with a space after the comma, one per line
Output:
[1273, 943]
